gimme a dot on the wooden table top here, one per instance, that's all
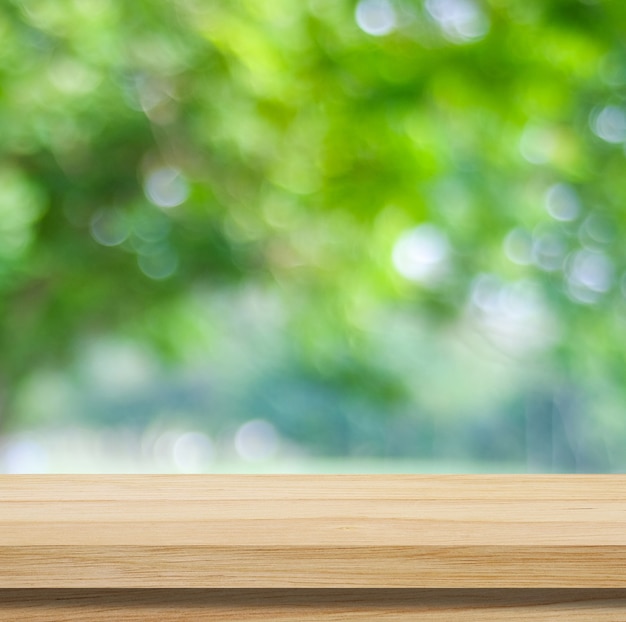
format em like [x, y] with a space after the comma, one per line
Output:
[313, 531]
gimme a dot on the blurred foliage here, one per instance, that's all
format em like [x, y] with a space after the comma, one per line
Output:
[460, 160]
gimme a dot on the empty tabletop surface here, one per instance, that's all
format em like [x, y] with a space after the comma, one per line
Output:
[282, 531]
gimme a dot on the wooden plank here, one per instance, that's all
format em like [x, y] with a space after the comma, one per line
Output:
[312, 605]
[341, 531]
[327, 487]
[301, 567]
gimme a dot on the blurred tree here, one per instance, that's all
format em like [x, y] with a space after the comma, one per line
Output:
[461, 158]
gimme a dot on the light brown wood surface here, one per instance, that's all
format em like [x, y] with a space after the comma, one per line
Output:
[307, 605]
[339, 531]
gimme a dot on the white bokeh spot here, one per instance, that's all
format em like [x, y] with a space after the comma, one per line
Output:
[421, 254]
[376, 17]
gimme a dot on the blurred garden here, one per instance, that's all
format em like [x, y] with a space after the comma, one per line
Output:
[328, 235]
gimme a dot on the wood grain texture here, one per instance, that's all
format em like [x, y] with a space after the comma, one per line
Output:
[338, 531]
[308, 605]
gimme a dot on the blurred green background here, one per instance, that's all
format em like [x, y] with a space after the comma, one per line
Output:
[270, 235]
